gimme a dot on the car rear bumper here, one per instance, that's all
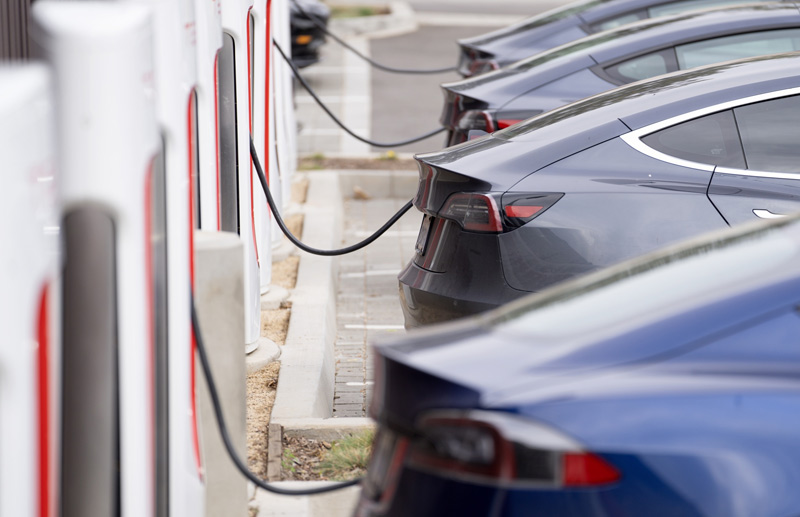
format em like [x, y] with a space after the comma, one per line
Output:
[427, 297]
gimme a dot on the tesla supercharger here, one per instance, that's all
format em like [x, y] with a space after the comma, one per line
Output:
[178, 448]
[113, 224]
[272, 160]
[283, 125]
[208, 14]
[260, 20]
[287, 124]
[29, 350]
[236, 171]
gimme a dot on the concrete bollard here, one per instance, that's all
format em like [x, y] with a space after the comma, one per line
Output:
[219, 301]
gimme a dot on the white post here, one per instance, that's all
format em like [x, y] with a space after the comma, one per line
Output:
[101, 54]
[209, 42]
[29, 350]
[175, 39]
[235, 25]
[287, 121]
[261, 98]
[277, 156]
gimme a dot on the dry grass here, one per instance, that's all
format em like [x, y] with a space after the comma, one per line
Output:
[347, 459]
[261, 387]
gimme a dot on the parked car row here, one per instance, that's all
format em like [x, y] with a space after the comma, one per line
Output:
[624, 243]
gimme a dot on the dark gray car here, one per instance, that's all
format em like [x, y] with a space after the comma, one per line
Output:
[601, 180]
[496, 49]
[604, 61]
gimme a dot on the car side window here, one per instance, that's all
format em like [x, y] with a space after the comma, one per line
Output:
[737, 46]
[642, 67]
[770, 133]
[711, 139]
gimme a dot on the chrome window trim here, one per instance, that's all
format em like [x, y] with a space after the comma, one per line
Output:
[633, 138]
[759, 174]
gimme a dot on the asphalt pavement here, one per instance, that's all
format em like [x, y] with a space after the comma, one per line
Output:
[408, 105]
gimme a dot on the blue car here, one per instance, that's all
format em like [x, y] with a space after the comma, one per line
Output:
[668, 385]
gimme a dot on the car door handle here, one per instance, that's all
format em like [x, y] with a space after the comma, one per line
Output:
[766, 214]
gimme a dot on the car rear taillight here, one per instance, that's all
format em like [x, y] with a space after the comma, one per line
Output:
[476, 122]
[501, 448]
[474, 212]
[521, 208]
[496, 213]
[587, 469]
[482, 66]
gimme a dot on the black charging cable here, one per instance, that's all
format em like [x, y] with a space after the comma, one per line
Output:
[223, 428]
[325, 253]
[338, 122]
[321, 26]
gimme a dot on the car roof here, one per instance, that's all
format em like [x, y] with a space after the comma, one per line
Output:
[554, 135]
[555, 20]
[645, 36]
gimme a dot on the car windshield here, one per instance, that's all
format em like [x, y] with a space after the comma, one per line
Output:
[647, 287]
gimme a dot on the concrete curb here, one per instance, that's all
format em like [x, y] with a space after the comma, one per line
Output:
[304, 399]
[305, 385]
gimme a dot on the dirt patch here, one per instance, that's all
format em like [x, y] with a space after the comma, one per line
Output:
[261, 386]
[300, 190]
[301, 458]
[389, 164]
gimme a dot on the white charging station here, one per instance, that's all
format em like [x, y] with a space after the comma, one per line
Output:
[29, 350]
[114, 276]
[261, 19]
[175, 41]
[285, 123]
[272, 161]
[208, 14]
[236, 79]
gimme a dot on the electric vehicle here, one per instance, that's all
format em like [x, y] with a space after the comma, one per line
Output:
[496, 49]
[667, 385]
[602, 180]
[603, 61]
[307, 38]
